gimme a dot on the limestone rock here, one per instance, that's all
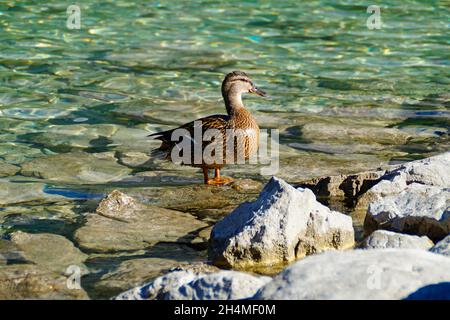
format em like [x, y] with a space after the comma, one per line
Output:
[51, 251]
[282, 225]
[198, 196]
[417, 209]
[10, 253]
[347, 187]
[354, 133]
[13, 193]
[382, 239]
[442, 247]
[358, 274]
[431, 171]
[187, 285]
[122, 223]
[7, 169]
[25, 281]
[198, 267]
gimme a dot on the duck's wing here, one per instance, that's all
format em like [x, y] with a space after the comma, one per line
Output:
[217, 121]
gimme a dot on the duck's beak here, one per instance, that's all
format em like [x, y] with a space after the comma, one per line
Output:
[258, 91]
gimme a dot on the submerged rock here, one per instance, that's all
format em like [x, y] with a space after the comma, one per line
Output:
[10, 253]
[187, 285]
[12, 192]
[298, 167]
[122, 223]
[25, 281]
[382, 239]
[282, 225]
[7, 169]
[358, 274]
[417, 209]
[207, 202]
[52, 252]
[196, 267]
[354, 133]
[76, 167]
[442, 247]
[134, 159]
[73, 136]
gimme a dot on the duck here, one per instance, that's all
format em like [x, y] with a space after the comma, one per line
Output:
[237, 120]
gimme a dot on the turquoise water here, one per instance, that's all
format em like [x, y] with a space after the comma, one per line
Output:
[151, 64]
[76, 105]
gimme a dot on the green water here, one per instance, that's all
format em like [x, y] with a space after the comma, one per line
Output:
[345, 98]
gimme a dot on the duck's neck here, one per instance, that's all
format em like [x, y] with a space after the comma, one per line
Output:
[233, 103]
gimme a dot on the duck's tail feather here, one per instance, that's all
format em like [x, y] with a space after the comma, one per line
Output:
[155, 135]
[163, 152]
[159, 154]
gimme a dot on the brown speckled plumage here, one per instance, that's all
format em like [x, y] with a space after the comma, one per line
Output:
[233, 86]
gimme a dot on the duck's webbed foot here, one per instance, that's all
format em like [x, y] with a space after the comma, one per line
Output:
[218, 180]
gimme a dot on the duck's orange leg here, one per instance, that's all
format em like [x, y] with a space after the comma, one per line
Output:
[205, 175]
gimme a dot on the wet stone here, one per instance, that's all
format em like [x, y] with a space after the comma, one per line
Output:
[10, 253]
[19, 192]
[7, 169]
[298, 168]
[132, 139]
[355, 133]
[51, 251]
[77, 167]
[198, 197]
[134, 159]
[74, 136]
[122, 223]
[26, 281]
[199, 267]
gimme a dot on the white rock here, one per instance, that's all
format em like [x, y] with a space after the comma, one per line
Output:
[382, 239]
[282, 225]
[417, 209]
[358, 274]
[159, 287]
[432, 171]
[187, 285]
[442, 247]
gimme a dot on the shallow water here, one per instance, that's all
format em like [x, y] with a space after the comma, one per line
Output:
[76, 105]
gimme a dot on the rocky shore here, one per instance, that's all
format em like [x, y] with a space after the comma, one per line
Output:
[250, 241]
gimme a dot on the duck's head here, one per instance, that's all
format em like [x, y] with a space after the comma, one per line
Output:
[238, 83]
